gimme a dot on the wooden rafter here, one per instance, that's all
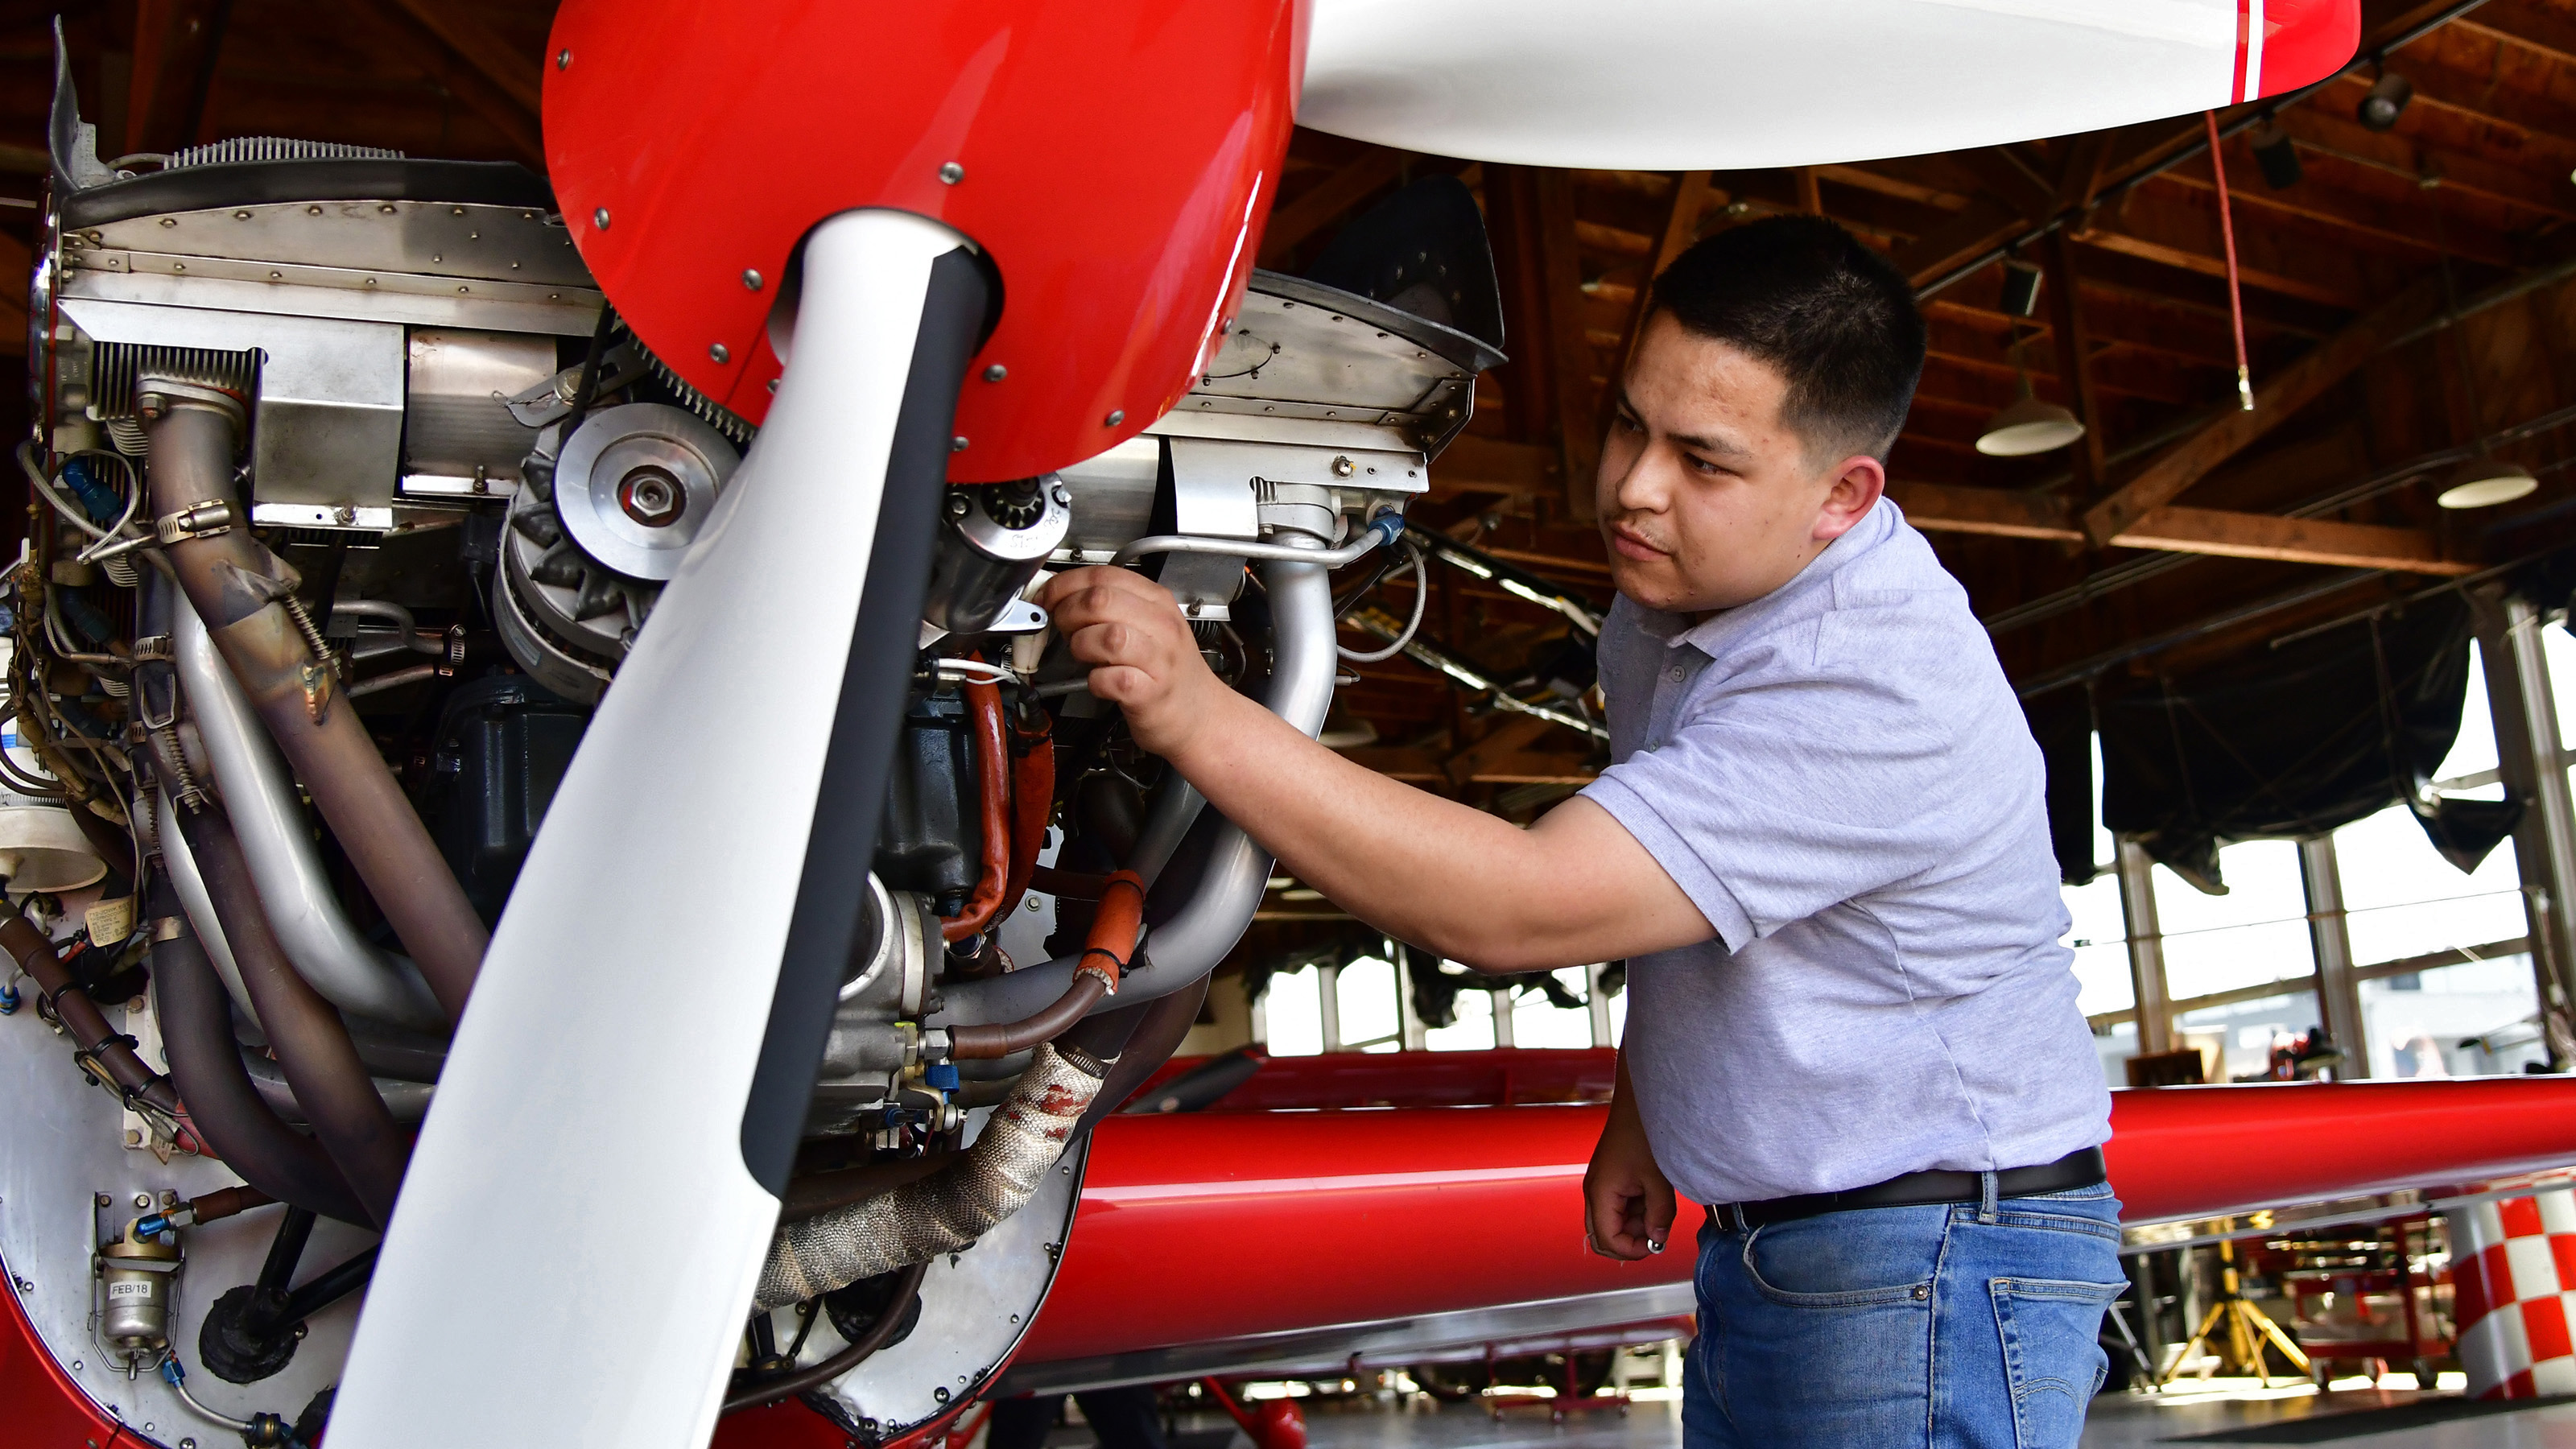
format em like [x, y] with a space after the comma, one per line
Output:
[1568, 347]
[2275, 399]
[501, 108]
[515, 75]
[2003, 513]
[175, 46]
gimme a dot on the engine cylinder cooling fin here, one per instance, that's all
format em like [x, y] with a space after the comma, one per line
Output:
[273, 148]
[117, 370]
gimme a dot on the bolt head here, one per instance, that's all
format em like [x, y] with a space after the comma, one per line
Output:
[143, 1199]
[1063, 495]
[996, 373]
[952, 173]
[563, 60]
[957, 505]
[957, 444]
[1344, 467]
[719, 353]
[599, 218]
[1116, 416]
[750, 280]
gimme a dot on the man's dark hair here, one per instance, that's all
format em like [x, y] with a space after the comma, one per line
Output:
[1803, 295]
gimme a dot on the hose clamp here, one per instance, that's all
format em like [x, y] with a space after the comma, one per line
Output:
[203, 519]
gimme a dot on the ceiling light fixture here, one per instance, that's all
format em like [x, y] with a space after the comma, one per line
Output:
[2028, 425]
[2025, 425]
[2386, 101]
[2278, 155]
[2484, 482]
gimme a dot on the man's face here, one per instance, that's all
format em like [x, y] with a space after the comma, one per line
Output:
[1709, 500]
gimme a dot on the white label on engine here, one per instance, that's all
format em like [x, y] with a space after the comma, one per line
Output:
[118, 1291]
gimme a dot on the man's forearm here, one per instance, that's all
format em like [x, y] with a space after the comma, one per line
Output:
[1424, 869]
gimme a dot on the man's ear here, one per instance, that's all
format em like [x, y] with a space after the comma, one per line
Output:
[1858, 482]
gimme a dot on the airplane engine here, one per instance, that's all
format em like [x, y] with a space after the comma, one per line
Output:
[365, 504]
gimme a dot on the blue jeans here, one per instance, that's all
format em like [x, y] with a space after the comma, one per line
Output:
[1967, 1327]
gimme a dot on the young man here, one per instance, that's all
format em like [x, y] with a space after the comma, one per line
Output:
[1822, 846]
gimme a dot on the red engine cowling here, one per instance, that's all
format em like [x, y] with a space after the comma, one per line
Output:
[692, 146]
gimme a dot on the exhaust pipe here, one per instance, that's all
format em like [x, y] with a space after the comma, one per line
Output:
[259, 798]
[245, 596]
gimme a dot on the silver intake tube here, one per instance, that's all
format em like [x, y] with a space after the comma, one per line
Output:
[200, 906]
[1188, 946]
[259, 796]
[949, 1209]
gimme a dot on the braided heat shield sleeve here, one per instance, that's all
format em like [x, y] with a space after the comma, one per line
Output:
[947, 1210]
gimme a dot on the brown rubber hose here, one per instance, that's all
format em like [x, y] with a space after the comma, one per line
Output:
[1112, 940]
[1032, 805]
[243, 593]
[993, 792]
[111, 1049]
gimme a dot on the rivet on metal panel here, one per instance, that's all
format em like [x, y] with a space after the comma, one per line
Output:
[241, 216]
[386, 209]
[312, 211]
[716, 353]
[996, 373]
[169, 221]
[957, 444]
[599, 218]
[952, 173]
[750, 279]
[563, 60]
[1116, 416]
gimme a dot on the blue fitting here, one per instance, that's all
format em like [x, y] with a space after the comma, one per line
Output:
[96, 498]
[940, 1076]
[153, 1226]
[1389, 526]
[171, 1371]
[8, 1000]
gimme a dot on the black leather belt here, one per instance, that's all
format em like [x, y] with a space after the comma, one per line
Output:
[1918, 1189]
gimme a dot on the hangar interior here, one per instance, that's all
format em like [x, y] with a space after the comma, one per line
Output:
[2247, 435]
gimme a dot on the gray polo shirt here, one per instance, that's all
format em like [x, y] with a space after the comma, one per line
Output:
[1838, 775]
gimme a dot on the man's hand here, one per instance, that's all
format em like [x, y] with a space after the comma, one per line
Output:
[1143, 657]
[1627, 1203]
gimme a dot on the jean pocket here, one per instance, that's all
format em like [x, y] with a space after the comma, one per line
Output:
[2053, 1359]
[1847, 1260]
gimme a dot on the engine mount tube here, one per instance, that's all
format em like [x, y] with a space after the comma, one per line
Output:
[259, 799]
[229, 1115]
[243, 593]
[320, 1062]
[1189, 945]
